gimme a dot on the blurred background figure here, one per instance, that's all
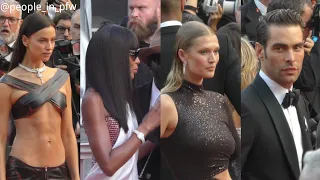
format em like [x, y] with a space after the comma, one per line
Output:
[10, 22]
[62, 22]
[311, 167]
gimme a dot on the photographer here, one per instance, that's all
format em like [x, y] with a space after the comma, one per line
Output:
[250, 14]
[66, 56]
[62, 22]
[10, 22]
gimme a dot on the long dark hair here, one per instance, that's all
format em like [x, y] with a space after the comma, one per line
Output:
[108, 70]
[31, 24]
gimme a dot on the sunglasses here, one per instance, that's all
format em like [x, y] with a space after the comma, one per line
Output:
[134, 53]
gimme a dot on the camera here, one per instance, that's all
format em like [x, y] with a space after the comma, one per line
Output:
[5, 50]
[63, 55]
[229, 7]
[4, 65]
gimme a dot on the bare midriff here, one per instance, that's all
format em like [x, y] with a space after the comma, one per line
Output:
[38, 141]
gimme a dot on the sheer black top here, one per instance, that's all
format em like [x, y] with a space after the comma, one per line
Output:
[205, 140]
[37, 94]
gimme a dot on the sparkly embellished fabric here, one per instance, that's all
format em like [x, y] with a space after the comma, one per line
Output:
[205, 139]
[113, 127]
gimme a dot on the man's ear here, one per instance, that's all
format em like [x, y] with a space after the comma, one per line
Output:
[182, 2]
[260, 51]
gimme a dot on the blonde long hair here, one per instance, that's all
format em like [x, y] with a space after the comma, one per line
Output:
[185, 37]
[249, 63]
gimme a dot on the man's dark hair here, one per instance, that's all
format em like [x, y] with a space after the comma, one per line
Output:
[296, 5]
[279, 17]
[65, 15]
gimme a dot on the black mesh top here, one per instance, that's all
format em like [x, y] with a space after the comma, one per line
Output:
[205, 140]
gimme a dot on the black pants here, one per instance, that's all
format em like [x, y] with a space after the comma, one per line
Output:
[18, 170]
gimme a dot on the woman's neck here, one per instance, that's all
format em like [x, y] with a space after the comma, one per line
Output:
[193, 79]
[31, 62]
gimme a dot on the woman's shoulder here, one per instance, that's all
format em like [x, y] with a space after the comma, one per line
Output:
[166, 101]
[92, 101]
[91, 96]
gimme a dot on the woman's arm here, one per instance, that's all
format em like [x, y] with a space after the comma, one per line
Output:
[169, 116]
[69, 138]
[146, 149]
[5, 107]
[110, 160]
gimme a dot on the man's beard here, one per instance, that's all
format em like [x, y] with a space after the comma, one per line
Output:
[143, 31]
[8, 38]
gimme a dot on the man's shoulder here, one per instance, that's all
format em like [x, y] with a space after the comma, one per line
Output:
[250, 96]
[169, 30]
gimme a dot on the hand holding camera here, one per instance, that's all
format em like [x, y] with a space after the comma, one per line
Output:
[215, 18]
[308, 45]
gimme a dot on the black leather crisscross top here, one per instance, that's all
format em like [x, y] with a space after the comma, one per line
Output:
[37, 94]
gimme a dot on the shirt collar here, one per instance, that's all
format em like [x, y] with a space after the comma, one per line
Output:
[11, 44]
[278, 91]
[170, 23]
[261, 7]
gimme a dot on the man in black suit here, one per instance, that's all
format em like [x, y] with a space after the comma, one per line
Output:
[275, 133]
[250, 14]
[149, 166]
[171, 17]
[143, 20]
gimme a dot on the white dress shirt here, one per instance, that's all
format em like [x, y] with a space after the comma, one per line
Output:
[261, 7]
[290, 114]
[155, 93]
[170, 23]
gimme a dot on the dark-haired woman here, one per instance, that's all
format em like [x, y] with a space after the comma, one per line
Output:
[38, 99]
[108, 107]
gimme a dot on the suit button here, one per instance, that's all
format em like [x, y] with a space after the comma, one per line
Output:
[148, 176]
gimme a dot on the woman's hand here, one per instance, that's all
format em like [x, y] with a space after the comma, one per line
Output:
[152, 119]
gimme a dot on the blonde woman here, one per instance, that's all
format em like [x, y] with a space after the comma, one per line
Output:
[249, 63]
[198, 135]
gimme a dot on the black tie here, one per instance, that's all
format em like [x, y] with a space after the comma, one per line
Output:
[291, 98]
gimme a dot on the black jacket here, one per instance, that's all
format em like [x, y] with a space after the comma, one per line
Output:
[267, 147]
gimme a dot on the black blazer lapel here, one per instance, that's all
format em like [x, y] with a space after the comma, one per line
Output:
[280, 123]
